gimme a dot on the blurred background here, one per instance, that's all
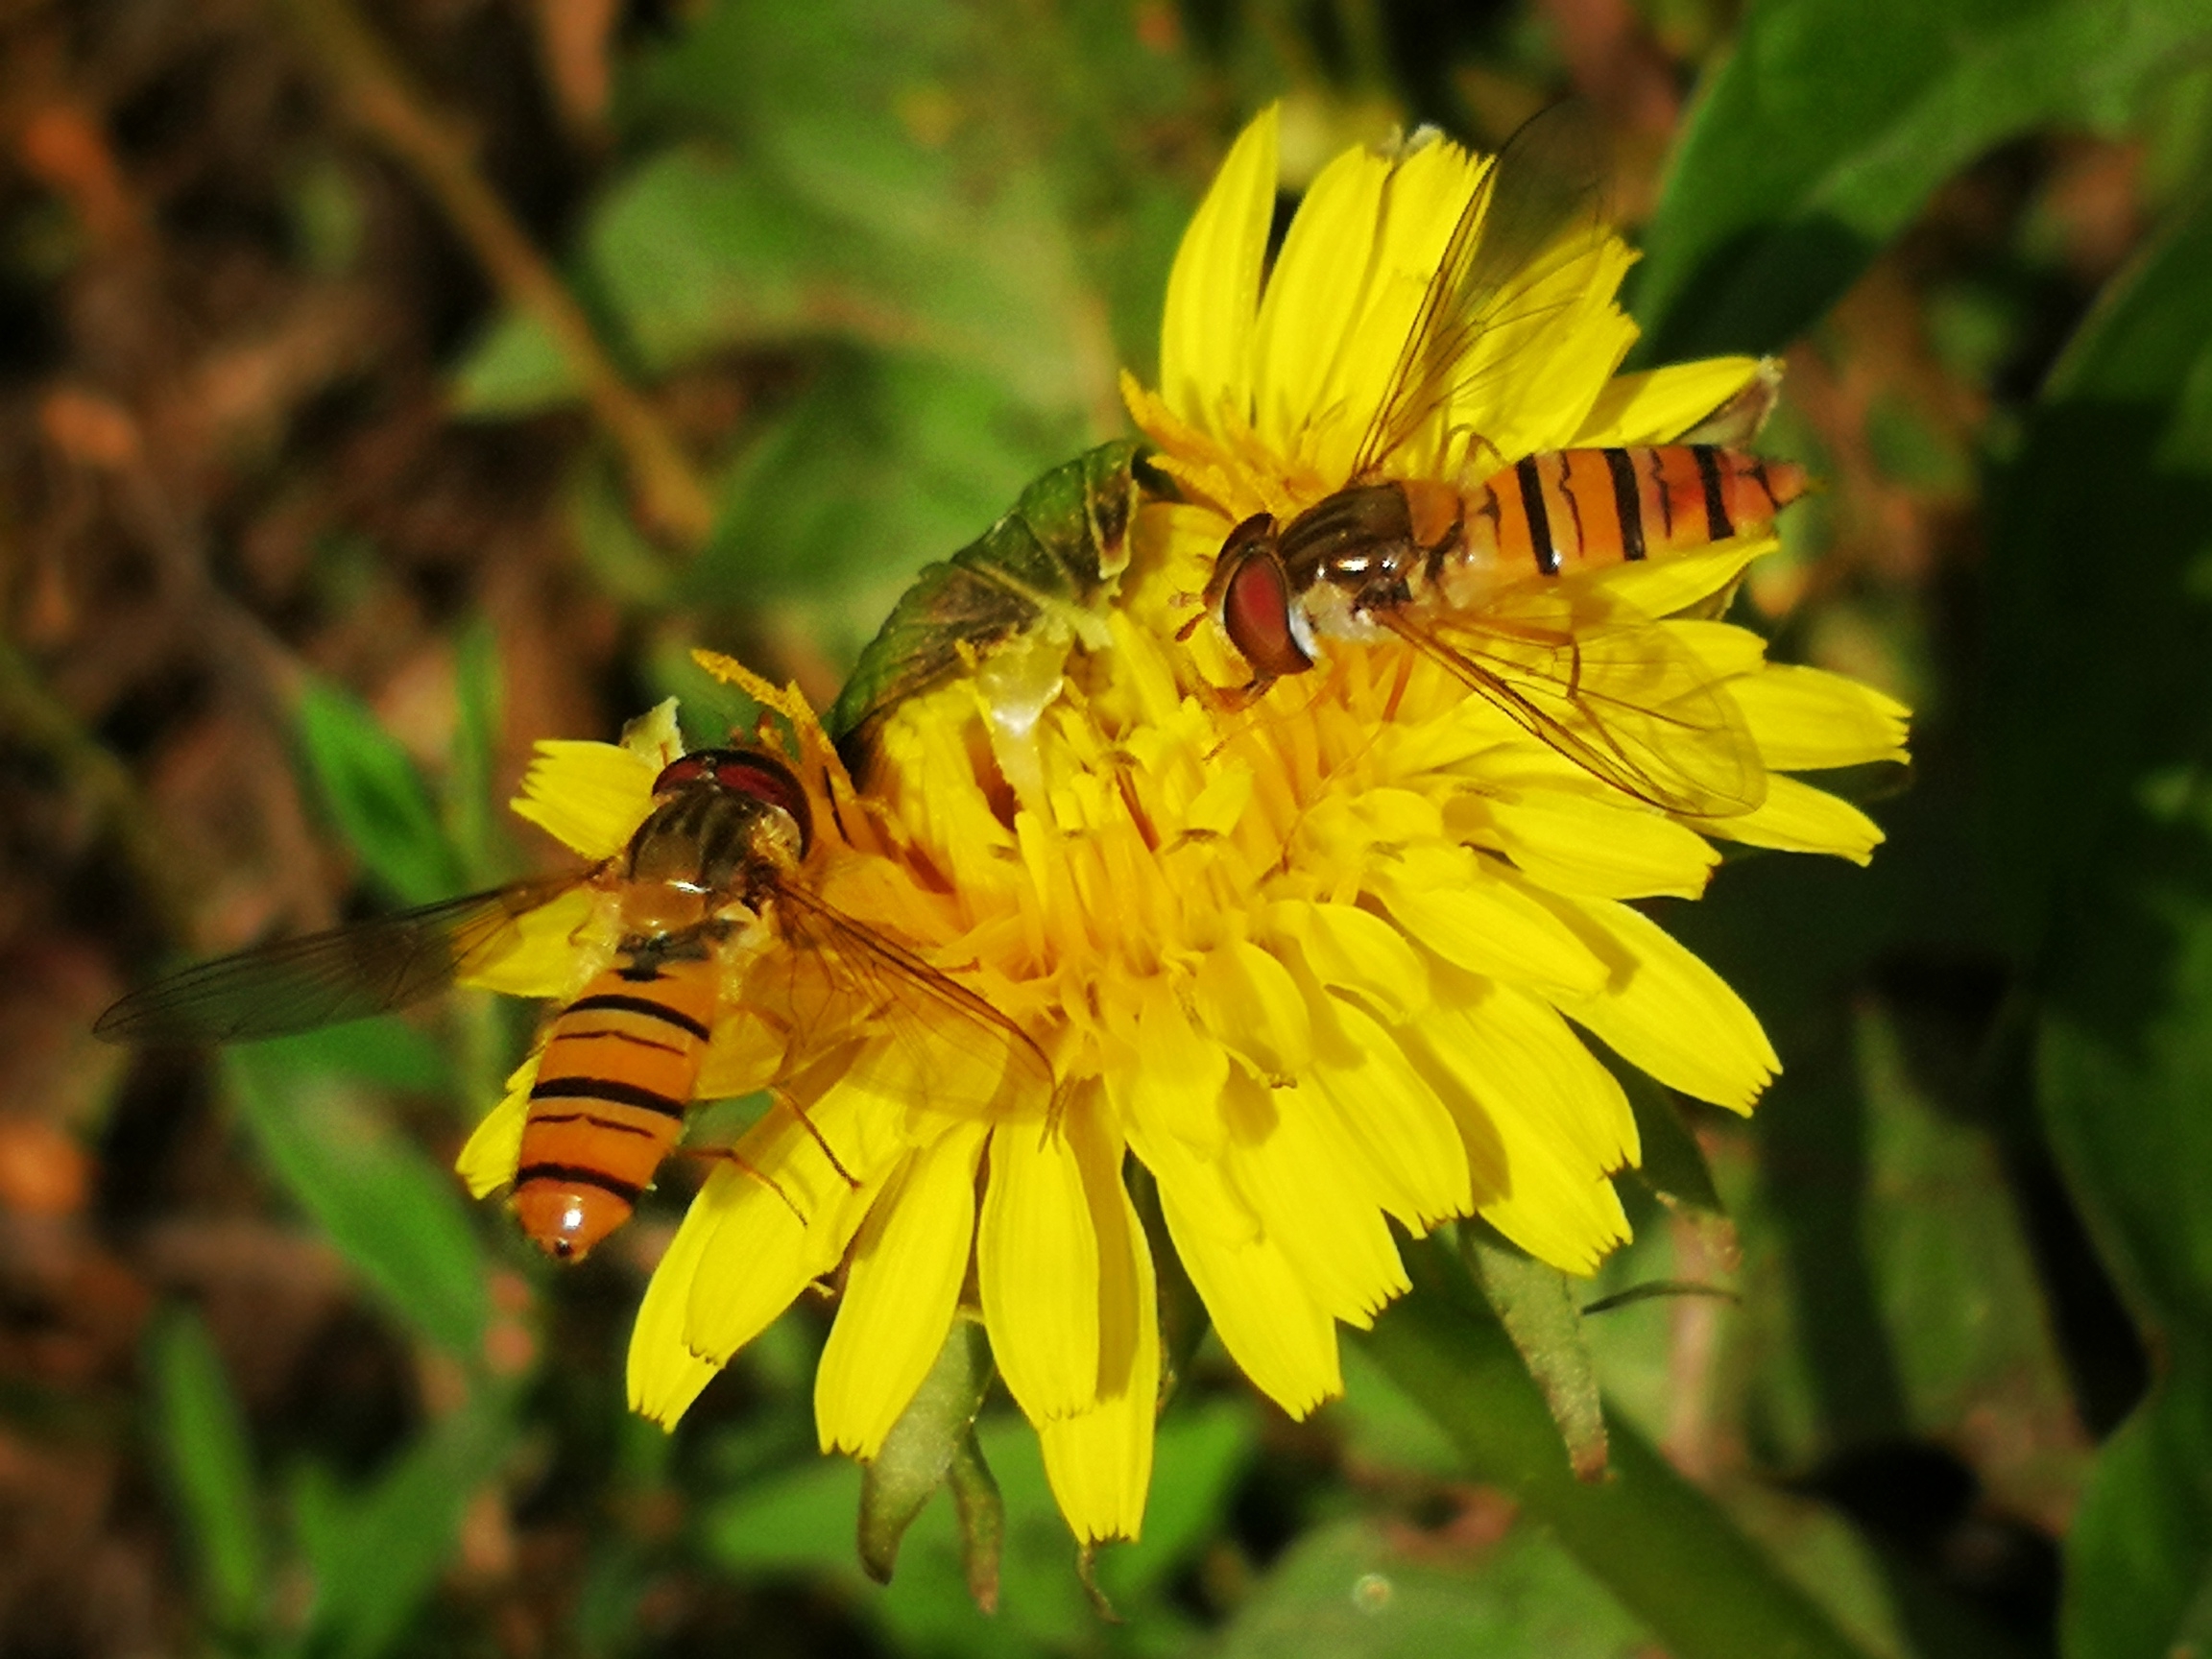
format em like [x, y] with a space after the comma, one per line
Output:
[381, 391]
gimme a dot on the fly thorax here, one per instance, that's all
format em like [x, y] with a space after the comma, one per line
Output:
[718, 843]
[1348, 538]
[1362, 541]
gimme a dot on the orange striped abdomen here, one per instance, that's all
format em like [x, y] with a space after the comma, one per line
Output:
[614, 1082]
[1563, 508]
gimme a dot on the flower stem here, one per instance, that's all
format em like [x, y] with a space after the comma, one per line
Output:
[377, 93]
[1663, 1548]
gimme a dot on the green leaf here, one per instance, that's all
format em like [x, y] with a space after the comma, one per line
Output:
[882, 463]
[376, 795]
[2102, 535]
[1540, 1309]
[1346, 1591]
[396, 1219]
[972, 185]
[1382, 1424]
[710, 711]
[918, 1453]
[1660, 1547]
[377, 1554]
[1954, 1277]
[515, 368]
[1831, 122]
[201, 1437]
[621, 557]
[386, 1053]
[2123, 1091]
[2102, 851]
[475, 817]
[801, 1521]
[799, 1518]
[1674, 1164]
[959, 178]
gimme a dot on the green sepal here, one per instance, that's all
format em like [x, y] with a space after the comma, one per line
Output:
[983, 1516]
[1538, 1305]
[933, 1442]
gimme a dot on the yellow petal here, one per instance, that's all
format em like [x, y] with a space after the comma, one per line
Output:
[1251, 1005]
[589, 796]
[1544, 1122]
[1572, 1219]
[1315, 299]
[1808, 718]
[1574, 843]
[1392, 1120]
[778, 1220]
[1797, 818]
[1353, 950]
[1291, 1160]
[1477, 919]
[745, 1054]
[666, 1372]
[1100, 1460]
[1037, 1264]
[1530, 380]
[1660, 404]
[906, 1270]
[1422, 198]
[1213, 290]
[1178, 1073]
[1723, 648]
[1672, 1016]
[487, 1163]
[1257, 1300]
[655, 738]
[1665, 587]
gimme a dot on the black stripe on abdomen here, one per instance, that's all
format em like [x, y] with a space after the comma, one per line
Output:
[615, 1002]
[581, 1176]
[631, 1038]
[1539, 516]
[610, 1092]
[1623, 467]
[1708, 459]
[613, 1125]
[1757, 473]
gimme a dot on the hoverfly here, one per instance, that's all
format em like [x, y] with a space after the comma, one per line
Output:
[706, 911]
[1447, 566]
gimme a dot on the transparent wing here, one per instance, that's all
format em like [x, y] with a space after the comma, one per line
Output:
[1544, 194]
[327, 978]
[1623, 701]
[909, 1030]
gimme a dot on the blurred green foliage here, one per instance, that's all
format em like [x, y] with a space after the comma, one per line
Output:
[951, 223]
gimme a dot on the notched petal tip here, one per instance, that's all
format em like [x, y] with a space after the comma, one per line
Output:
[590, 797]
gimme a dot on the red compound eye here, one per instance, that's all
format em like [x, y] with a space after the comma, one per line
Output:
[690, 769]
[750, 772]
[1256, 612]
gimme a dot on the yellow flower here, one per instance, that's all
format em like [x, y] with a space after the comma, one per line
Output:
[1319, 961]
